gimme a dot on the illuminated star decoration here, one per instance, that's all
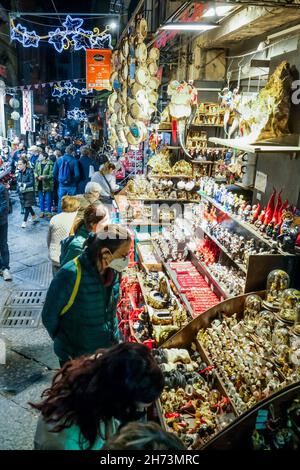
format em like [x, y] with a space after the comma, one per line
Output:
[102, 42]
[77, 114]
[73, 35]
[59, 39]
[82, 40]
[69, 89]
[27, 38]
[72, 24]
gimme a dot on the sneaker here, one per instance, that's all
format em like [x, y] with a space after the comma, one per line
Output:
[34, 219]
[6, 275]
[42, 215]
[23, 225]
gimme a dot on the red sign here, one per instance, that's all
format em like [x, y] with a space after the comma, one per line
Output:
[192, 14]
[98, 69]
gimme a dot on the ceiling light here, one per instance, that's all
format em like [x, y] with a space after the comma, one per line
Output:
[113, 25]
[218, 11]
[188, 26]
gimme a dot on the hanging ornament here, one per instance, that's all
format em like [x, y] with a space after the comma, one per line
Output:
[15, 115]
[68, 35]
[14, 103]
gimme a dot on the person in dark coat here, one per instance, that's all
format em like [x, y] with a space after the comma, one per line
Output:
[87, 167]
[17, 154]
[26, 185]
[4, 252]
[66, 173]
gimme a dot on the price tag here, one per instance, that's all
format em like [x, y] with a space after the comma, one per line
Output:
[212, 288]
[206, 279]
[222, 299]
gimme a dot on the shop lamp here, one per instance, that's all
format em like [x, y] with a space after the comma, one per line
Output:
[218, 11]
[188, 26]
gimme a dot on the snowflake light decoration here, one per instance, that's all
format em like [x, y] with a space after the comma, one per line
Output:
[77, 114]
[73, 36]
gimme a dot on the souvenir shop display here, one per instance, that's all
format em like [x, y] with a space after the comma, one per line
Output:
[247, 350]
[193, 404]
[210, 114]
[149, 312]
[134, 79]
[275, 224]
[160, 190]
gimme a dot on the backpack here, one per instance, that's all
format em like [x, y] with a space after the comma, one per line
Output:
[65, 174]
[3, 201]
[64, 245]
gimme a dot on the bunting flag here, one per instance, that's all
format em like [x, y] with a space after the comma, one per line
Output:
[36, 86]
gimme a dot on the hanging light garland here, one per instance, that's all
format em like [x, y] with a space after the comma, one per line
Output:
[71, 37]
[68, 89]
[77, 114]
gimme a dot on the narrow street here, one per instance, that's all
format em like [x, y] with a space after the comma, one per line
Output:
[30, 360]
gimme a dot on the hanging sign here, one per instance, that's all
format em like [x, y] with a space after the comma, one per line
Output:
[98, 69]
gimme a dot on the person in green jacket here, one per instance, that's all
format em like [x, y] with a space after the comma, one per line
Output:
[44, 183]
[80, 307]
[73, 246]
[91, 397]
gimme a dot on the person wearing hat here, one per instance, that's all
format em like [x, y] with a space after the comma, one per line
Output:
[44, 183]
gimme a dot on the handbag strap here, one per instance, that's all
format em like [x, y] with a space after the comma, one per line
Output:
[108, 184]
[75, 288]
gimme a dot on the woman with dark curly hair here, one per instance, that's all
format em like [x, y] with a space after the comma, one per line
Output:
[144, 436]
[91, 397]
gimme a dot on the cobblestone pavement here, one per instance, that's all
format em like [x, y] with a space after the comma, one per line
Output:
[30, 360]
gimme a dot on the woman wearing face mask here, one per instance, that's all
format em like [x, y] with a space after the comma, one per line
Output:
[106, 178]
[93, 217]
[25, 184]
[80, 308]
[91, 397]
[44, 182]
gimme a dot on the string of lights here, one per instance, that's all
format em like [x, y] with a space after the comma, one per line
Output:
[72, 36]
[67, 89]
[77, 114]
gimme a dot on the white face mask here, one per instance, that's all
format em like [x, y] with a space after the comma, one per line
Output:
[119, 264]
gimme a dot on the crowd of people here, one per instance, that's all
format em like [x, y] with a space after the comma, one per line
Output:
[42, 175]
[100, 395]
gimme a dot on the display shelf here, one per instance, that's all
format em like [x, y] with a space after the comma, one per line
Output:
[254, 148]
[243, 224]
[224, 250]
[209, 278]
[198, 126]
[170, 176]
[191, 201]
[203, 162]
[170, 274]
[188, 336]
[243, 186]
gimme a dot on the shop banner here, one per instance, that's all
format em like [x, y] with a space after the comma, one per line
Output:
[27, 110]
[98, 69]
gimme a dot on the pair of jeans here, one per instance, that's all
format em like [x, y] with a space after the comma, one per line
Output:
[4, 253]
[65, 191]
[45, 201]
[28, 210]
